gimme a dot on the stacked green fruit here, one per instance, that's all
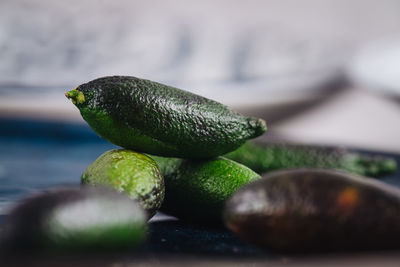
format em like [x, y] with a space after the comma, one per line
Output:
[190, 132]
[147, 117]
[185, 173]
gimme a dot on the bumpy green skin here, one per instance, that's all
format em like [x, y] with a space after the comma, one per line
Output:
[84, 220]
[129, 172]
[150, 117]
[267, 157]
[197, 190]
[308, 210]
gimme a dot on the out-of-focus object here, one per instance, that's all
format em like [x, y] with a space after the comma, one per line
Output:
[314, 209]
[377, 67]
[75, 220]
[269, 59]
[274, 67]
[256, 58]
[354, 118]
[270, 156]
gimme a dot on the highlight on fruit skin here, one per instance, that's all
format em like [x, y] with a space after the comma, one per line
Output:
[309, 210]
[157, 119]
[128, 172]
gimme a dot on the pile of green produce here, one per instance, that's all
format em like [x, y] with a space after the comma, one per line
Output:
[187, 155]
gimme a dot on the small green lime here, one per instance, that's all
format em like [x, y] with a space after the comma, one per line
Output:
[132, 173]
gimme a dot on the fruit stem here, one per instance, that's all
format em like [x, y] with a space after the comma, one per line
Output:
[75, 96]
[259, 126]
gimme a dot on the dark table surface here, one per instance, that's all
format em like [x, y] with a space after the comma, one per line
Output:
[36, 156]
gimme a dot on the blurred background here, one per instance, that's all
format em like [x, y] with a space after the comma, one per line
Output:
[304, 66]
[321, 72]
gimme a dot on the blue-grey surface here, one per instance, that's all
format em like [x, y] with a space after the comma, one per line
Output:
[35, 156]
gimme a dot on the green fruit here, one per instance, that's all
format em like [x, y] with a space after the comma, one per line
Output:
[263, 158]
[313, 209]
[150, 117]
[75, 220]
[129, 172]
[197, 190]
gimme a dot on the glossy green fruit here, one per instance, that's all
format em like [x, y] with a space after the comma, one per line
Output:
[313, 209]
[129, 172]
[150, 117]
[75, 220]
[197, 190]
[267, 157]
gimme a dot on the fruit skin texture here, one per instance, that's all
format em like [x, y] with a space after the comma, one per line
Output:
[150, 117]
[131, 173]
[266, 157]
[197, 190]
[307, 210]
[89, 219]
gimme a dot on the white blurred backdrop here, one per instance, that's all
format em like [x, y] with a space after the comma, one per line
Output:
[268, 58]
